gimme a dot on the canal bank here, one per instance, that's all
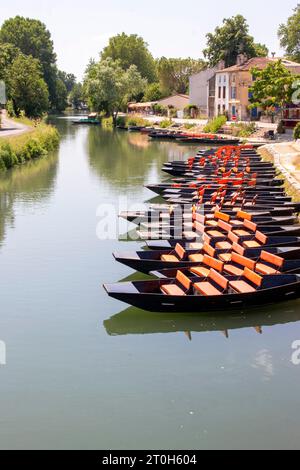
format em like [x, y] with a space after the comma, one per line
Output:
[286, 157]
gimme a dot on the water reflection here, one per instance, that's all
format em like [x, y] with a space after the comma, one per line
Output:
[128, 160]
[134, 321]
[30, 183]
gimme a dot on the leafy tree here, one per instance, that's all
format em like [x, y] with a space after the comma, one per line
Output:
[174, 74]
[76, 95]
[31, 37]
[61, 96]
[273, 86]
[27, 86]
[131, 50]
[231, 39]
[153, 92]
[8, 53]
[109, 87]
[289, 35]
[69, 80]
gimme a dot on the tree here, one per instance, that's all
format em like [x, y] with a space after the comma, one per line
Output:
[8, 53]
[32, 38]
[109, 87]
[61, 96]
[174, 74]
[153, 92]
[289, 35]
[69, 80]
[273, 86]
[27, 87]
[231, 39]
[76, 95]
[131, 50]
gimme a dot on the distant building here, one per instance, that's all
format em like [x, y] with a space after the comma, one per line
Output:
[202, 89]
[178, 102]
[232, 86]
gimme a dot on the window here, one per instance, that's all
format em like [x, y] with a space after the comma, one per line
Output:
[220, 92]
[224, 78]
[220, 78]
[219, 109]
[233, 78]
[233, 111]
[224, 109]
[233, 93]
[224, 92]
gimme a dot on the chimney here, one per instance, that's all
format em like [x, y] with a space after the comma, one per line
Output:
[241, 59]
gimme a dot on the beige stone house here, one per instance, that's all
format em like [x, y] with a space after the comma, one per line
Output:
[232, 86]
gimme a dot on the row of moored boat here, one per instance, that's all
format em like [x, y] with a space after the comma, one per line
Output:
[226, 235]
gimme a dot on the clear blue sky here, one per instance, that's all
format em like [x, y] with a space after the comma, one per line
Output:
[173, 28]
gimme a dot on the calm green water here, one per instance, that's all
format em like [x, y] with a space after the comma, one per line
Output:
[85, 372]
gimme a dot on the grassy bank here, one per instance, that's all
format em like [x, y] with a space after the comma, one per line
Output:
[35, 143]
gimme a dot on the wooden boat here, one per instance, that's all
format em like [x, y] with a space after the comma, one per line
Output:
[203, 141]
[90, 119]
[162, 260]
[203, 294]
[135, 128]
[271, 241]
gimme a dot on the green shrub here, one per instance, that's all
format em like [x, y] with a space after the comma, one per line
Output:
[121, 121]
[188, 126]
[173, 113]
[297, 131]
[107, 123]
[165, 123]
[215, 124]
[191, 111]
[34, 144]
[136, 121]
[10, 108]
[243, 129]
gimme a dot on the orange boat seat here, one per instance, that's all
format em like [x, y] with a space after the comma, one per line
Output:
[215, 234]
[196, 258]
[225, 257]
[233, 270]
[195, 246]
[206, 288]
[241, 233]
[200, 271]
[243, 287]
[177, 255]
[276, 261]
[182, 286]
[223, 246]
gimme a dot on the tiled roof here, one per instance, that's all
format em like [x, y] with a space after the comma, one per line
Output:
[260, 63]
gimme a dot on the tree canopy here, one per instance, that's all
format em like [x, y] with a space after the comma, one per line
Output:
[131, 50]
[273, 86]
[109, 87]
[231, 39]
[174, 74]
[289, 35]
[27, 86]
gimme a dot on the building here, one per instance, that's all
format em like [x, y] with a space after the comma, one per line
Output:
[202, 89]
[178, 102]
[232, 86]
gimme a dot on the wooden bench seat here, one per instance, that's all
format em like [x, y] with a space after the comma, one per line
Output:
[241, 287]
[206, 288]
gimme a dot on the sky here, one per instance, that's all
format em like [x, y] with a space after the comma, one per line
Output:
[172, 28]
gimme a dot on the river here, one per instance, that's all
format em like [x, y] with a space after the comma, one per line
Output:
[83, 371]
